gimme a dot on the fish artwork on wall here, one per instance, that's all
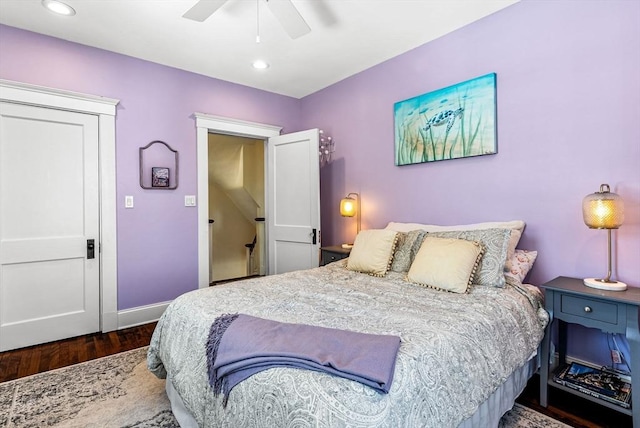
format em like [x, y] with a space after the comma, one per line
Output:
[458, 121]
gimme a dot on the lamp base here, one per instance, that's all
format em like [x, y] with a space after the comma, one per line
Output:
[347, 246]
[604, 285]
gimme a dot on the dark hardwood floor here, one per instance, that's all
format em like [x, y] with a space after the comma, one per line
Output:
[15, 364]
[40, 358]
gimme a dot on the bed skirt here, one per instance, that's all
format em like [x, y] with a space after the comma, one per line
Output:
[487, 415]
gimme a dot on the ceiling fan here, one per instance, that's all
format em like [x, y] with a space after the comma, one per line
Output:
[283, 10]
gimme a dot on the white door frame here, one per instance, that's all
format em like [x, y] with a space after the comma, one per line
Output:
[206, 124]
[105, 109]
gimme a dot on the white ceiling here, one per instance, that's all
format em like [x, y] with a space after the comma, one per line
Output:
[347, 36]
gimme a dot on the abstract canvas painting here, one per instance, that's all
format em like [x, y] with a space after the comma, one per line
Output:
[458, 121]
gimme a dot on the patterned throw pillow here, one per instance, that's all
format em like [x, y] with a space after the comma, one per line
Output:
[520, 264]
[445, 264]
[496, 247]
[516, 227]
[372, 252]
[406, 249]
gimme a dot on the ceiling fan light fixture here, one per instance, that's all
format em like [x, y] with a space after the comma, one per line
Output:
[59, 7]
[284, 11]
[260, 64]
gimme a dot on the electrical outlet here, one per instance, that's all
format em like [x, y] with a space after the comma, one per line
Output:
[615, 356]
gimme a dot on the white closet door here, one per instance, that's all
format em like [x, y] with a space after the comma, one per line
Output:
[49, 205]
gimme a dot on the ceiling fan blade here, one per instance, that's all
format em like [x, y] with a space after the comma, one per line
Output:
[203, 9]
[289, 17]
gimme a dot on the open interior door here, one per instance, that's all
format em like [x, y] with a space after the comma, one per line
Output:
[293, 201]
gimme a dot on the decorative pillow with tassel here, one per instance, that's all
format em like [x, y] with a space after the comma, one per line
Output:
[446, 264]
[372, 251]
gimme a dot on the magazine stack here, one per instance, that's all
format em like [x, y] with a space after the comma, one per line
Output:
[604, 383]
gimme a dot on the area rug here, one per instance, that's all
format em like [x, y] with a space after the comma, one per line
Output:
[119, 391]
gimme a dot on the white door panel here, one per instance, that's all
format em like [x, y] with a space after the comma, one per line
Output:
[34, 280]
[49, 289]
[49, 168]
[293, 188]
[293, 183]
[32, 250]
[289, 256]
[291, 233]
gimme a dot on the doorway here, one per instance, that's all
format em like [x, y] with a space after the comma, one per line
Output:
[236, 207]
[205, 125]
[286, 153]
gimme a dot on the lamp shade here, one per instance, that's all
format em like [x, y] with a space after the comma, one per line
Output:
[348, 207]
[603, 209]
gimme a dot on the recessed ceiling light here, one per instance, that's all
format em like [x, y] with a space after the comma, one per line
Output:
[260, 64]
[58, 7]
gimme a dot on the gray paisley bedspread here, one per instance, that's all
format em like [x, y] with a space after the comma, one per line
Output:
[456, 349]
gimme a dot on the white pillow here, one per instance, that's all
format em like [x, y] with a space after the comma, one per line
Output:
[372, 251]
[495, 244]
[407, 227]
[446, 264]
[516, 226]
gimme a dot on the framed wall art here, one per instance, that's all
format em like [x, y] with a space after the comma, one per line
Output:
[458, 121]
[159, 177]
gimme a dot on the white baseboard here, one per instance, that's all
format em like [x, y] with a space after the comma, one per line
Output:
[141, 315]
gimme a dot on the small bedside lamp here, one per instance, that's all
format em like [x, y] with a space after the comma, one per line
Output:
[350, 207]
[604, 210]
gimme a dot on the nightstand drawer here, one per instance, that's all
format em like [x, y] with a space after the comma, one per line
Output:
[329, 257]
[333, 254]
[590, 309]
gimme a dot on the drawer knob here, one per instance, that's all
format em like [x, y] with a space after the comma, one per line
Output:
[587, 309]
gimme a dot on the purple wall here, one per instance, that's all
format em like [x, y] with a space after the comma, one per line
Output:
[157, 240]
[568, 78]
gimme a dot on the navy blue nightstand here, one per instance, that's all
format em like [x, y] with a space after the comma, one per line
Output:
[568, 300]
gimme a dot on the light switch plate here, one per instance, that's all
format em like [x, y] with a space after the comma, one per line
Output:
[190, 200]
[128, 201]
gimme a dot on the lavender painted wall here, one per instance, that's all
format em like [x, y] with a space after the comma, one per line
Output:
[157, 240]
[568, 86]
[568, 110]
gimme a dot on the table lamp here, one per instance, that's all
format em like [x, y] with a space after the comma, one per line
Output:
[604, 210]
[350, 207]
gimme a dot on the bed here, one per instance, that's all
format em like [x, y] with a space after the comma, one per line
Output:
[464, 356]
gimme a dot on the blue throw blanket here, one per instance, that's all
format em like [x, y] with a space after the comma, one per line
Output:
[240, 346]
